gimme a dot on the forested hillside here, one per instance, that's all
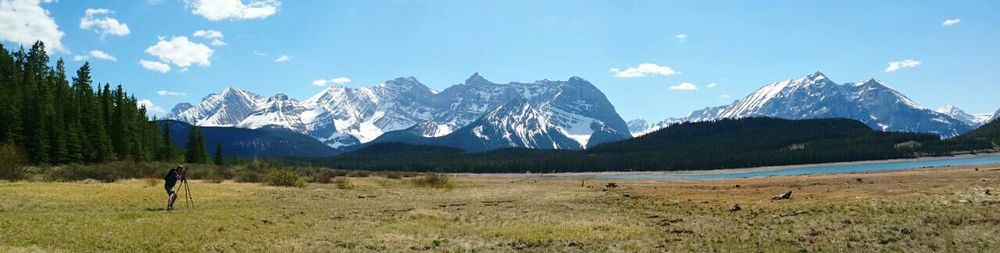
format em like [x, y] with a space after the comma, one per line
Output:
[729, 143]
[249, 143]
[53, 120]
[986, 137]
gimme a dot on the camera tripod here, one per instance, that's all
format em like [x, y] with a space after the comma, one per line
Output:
[187, 193]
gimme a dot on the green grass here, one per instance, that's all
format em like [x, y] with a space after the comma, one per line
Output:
[478, 213]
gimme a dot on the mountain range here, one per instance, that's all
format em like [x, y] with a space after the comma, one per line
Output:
[816, 96]
[477, 114]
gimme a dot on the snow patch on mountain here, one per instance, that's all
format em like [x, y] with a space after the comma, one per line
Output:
[342, 116]
[816, 96]
[959, 114]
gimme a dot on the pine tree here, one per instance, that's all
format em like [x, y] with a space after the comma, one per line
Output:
[196, 151]
[202, 148]
[96, 137]
[56, 127]
[166, 152]
[52, 121]
[38, 108]
[218, 159]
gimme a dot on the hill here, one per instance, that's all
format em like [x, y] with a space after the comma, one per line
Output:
[727, 143]
[984, 138]
[249, 143]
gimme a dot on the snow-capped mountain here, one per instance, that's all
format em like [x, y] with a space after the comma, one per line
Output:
[996, 115]
[968, 119]
[572, 110]
[816, 96]
[227, 108]
[639, 127]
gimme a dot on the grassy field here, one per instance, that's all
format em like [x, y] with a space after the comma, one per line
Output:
[946, 209]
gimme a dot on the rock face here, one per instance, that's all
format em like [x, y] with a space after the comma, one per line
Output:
[570, 114]
[816, 96]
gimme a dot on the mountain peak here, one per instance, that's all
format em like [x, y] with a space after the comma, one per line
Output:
[231, 89]
[949, 108]
[407, 84]
[476, 79]
[279, 96]
[404, 81]
[872, 81]
[817, 76]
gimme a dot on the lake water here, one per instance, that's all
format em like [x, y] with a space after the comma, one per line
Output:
[814, 169]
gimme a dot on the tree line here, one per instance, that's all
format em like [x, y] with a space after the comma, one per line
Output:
[51, 118]
[729, 143]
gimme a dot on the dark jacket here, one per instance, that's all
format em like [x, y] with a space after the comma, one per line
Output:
[170, 179]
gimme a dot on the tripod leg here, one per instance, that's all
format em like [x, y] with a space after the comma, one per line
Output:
[188, 190]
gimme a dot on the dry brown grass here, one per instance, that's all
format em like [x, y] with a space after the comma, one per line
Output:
[926, 210]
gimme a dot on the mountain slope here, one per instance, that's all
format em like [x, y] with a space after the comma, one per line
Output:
[959, 114]
[816, 96]
[996, 115]
[250, 143]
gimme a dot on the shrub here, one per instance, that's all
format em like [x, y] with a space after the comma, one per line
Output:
[323, 177]
[285, 178]
[343, 183]
[11, 163]
[358, 173]
[433, 180]
[247, 176]
[339, 173]
[217, 174]
[393, 175]
[151, 182]
[76, 172]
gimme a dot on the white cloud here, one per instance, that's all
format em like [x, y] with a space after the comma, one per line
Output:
[215, 10]
[98, 20]
[897, 65]
[283, 58]
[340, 80]
[181, 52]
[171, 93]
[208, 34]
[213, 35]
[154, 2]
[725, 96]
[155, 66]
[951, 22]
[95, 54]
[334, 81]
[684, 86]
[150, 107]
[259, 53]
[643, 70]
[25, 21]
[681, 37]
[98, 54]
[711, 85]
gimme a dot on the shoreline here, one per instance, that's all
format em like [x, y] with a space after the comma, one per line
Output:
[607, 174]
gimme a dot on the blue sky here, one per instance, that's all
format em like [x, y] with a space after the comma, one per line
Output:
[737, 45]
